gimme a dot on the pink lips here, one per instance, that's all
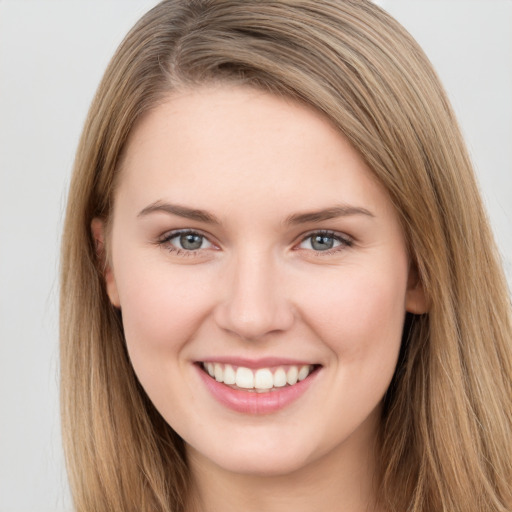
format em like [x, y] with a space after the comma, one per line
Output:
[250, 402]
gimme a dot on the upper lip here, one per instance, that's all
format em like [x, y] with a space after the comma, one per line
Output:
[264, 362]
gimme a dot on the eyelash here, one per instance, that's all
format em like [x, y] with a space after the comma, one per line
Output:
[344, 242]
[165, 242]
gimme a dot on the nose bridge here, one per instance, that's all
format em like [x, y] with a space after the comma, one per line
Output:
[254, 303]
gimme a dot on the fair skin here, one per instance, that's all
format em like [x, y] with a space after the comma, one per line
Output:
[248, 233]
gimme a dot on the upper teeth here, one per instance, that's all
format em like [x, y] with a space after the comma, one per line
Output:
[261, 379]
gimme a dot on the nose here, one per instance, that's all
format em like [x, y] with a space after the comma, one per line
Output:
[254, 303]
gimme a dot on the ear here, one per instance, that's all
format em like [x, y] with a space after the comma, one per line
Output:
[98, 234]
[415, 299]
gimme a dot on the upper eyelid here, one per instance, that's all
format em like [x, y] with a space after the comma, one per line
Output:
[327, 232]
[175, 232]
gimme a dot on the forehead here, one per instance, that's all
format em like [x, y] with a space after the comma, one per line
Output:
[219, 141]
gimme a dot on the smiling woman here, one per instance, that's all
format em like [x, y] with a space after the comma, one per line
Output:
[279, 289]
[292, 303]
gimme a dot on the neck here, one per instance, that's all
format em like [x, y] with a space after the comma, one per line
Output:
[344, 479]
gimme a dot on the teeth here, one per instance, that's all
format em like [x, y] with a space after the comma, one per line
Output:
[229, 375]
[279, 378]
[244, 378]
[303, 373]
[291, 375]
[260, 380]
[218, 372]
[263, 379]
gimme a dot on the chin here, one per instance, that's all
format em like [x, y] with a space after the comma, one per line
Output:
[276, 466]
[260, 459]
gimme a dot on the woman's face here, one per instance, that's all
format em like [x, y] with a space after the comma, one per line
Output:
[251, 241]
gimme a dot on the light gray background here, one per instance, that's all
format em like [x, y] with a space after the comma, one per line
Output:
[52, 55]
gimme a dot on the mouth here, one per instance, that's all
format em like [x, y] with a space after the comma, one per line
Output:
[259, 380]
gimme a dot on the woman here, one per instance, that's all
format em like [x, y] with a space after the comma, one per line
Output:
[279, 288]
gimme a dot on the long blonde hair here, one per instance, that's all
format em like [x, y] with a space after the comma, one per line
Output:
[446, 436]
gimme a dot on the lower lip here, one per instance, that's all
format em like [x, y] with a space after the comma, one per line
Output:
[252, 402]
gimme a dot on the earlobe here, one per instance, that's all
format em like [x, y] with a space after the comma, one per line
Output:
[98, 234]
[415, 299]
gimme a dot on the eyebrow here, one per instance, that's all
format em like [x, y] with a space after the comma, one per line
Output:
[180, 211]
[297, 218]
[326, 214]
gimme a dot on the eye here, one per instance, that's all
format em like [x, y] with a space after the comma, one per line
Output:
[187, 241]
[324, 241]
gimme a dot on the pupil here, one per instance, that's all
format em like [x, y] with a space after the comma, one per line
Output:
[322, 242]
[191, 241]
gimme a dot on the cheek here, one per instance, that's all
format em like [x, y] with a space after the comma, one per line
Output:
[161, 312]
[161, 307]
[360, 313]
